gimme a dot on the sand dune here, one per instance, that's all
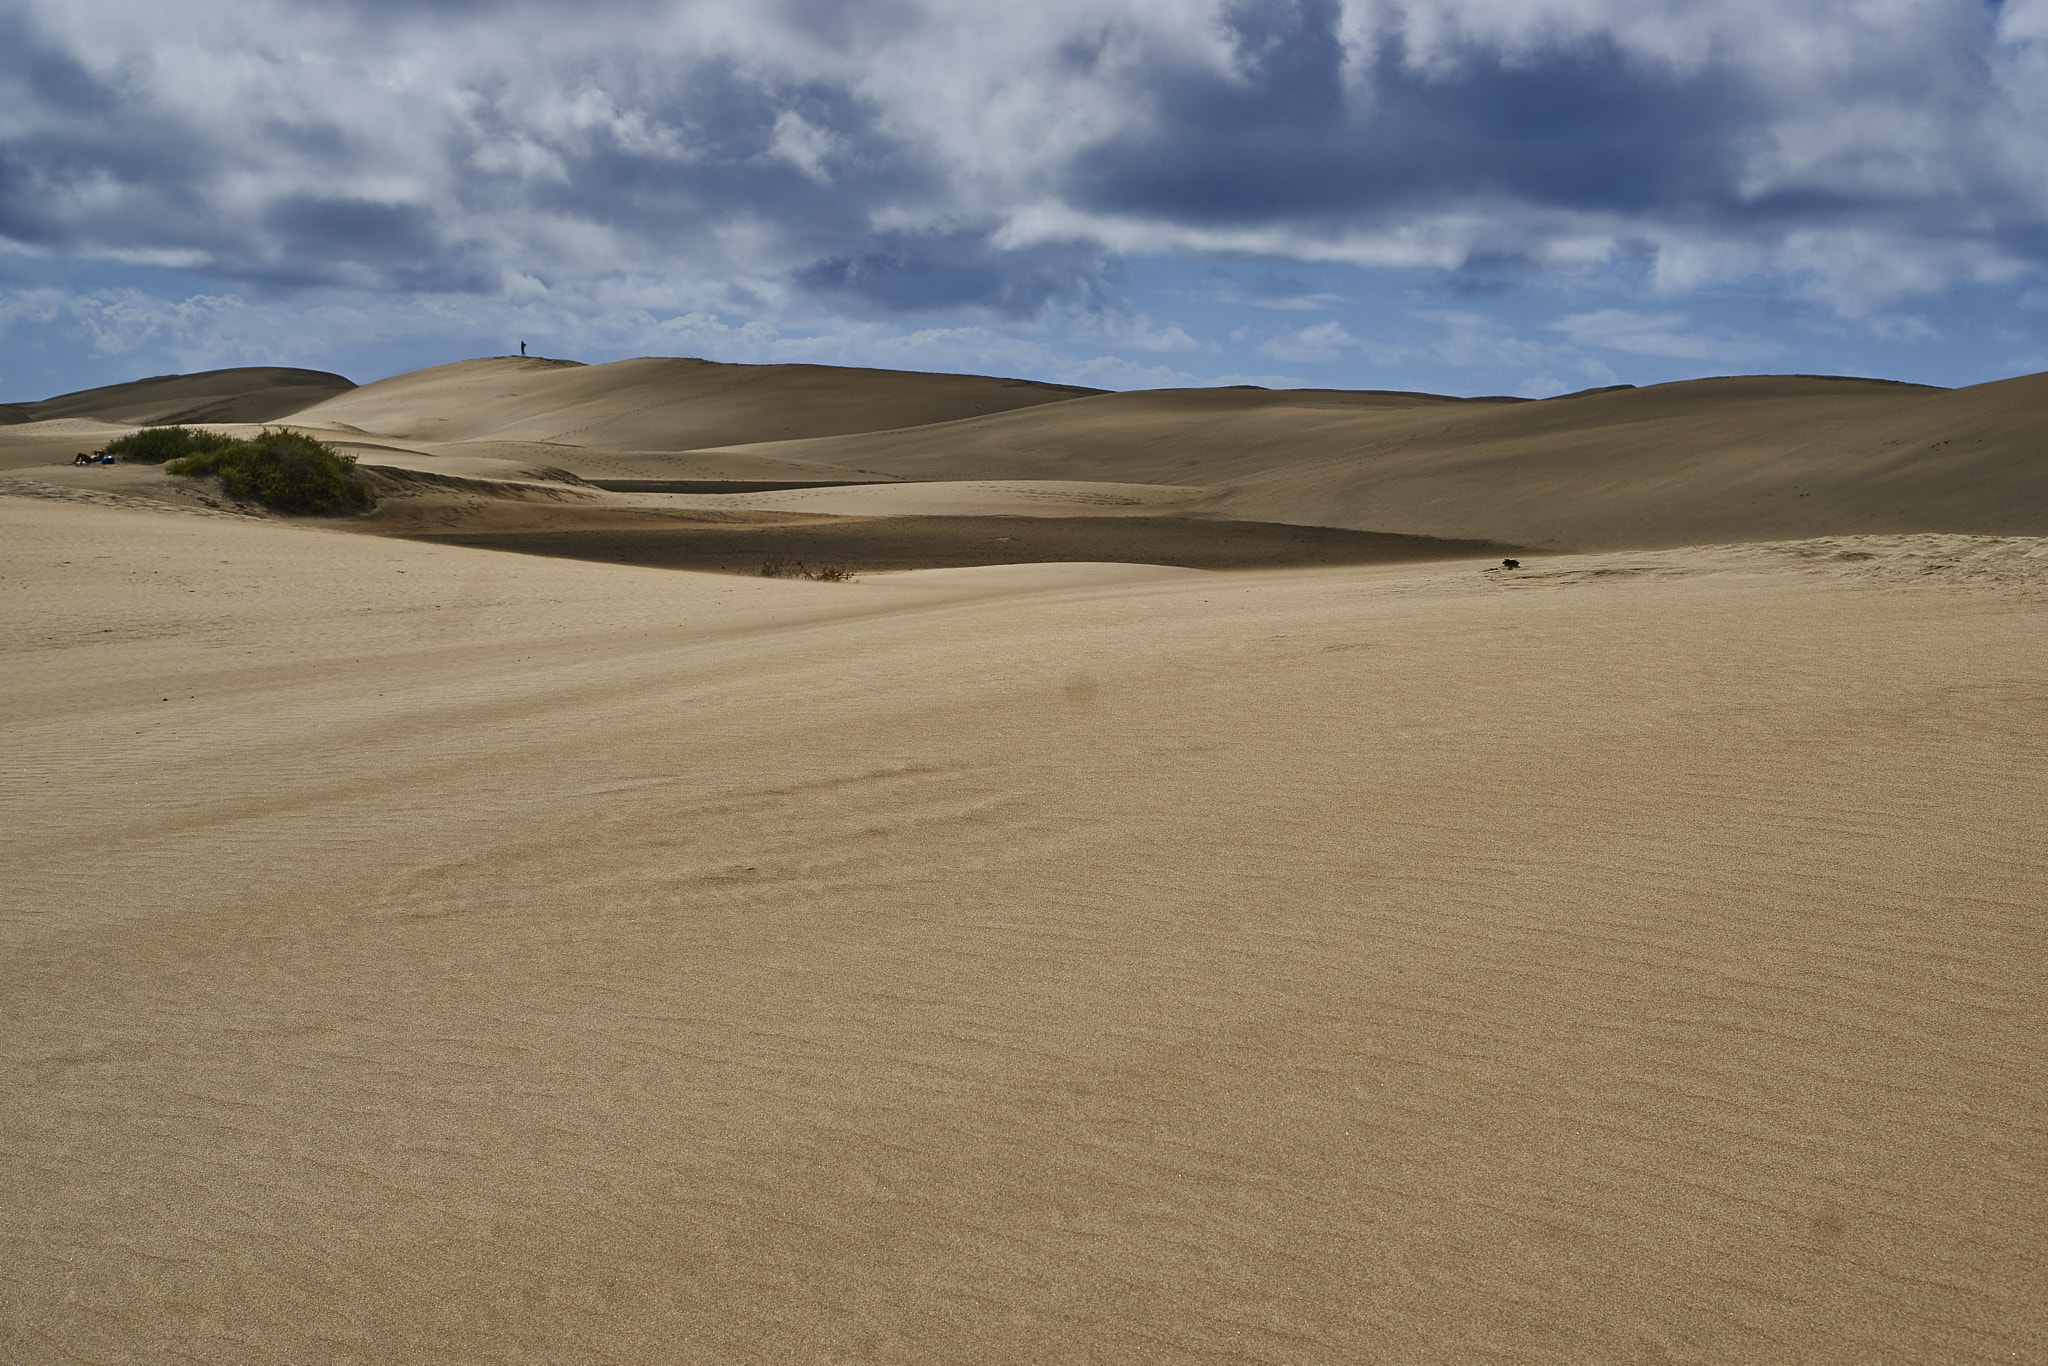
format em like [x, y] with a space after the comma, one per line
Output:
[1705, 461]
[260, 393]
[415, 954]
[662, 403]
[1675, 464]
[30, 445]
[1721, 460]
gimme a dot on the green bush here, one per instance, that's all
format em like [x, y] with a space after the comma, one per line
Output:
[282, 469]
[154, 445]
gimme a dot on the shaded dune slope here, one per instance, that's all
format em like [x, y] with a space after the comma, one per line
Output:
[877, 544]
[1704, 460]
[664, 403]
[260, 393]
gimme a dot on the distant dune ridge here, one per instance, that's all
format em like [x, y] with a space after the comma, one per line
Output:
[1674, 464]
[260, 393]
[1702, 461]
[1175, 903]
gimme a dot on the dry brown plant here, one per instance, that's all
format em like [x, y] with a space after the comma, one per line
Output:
[783, 567]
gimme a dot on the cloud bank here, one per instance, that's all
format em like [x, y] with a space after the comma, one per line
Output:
[865, 160]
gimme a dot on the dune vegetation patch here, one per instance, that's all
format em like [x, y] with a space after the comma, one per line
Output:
[784, 567]
[281, 469]
[155, 445]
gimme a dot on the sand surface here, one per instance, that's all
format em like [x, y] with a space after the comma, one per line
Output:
[418, 954]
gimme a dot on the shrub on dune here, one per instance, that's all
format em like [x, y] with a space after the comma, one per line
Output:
[782, 567]
[282, 469]
[155, 445]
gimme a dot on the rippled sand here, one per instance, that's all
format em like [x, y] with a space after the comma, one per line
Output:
[424, 955]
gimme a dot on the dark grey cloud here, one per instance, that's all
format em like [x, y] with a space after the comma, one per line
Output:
[311, 239]
[928, 272]
[732, 125]
[1581, 126]
[84, 130]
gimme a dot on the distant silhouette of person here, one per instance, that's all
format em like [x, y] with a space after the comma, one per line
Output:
[522, 348]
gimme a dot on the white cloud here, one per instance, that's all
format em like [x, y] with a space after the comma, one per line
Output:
[1320, 342]
[118, 322]
[1284, 295]
[205, 332]
[1661, 334]
[804, 145]
[1127, 327]
[1902, 327]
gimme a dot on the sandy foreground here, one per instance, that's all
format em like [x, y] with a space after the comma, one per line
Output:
[418, 954]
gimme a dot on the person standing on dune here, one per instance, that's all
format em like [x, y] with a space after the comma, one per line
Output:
[522, 349]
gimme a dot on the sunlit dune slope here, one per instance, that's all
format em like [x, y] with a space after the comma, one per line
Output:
[51, 441]
[663, 403]
[1701, 461]
[261, 393]
[418, 955]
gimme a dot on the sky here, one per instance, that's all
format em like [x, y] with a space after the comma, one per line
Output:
[1461, 196]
